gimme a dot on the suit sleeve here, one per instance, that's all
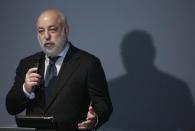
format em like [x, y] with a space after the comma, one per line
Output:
[16, 100]
[98, 91]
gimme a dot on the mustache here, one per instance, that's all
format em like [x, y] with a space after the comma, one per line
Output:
[45, 43]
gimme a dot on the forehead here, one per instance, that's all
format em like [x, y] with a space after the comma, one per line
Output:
[48, 19]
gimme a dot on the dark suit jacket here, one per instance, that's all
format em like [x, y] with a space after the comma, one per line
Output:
[81, 81]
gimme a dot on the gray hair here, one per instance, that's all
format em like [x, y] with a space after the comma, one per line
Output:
[63, 19]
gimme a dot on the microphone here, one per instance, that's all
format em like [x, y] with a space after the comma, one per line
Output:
[36, 64]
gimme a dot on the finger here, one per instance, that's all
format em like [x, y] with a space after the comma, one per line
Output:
[82, 128]
[91, 116]
[81, 124]
[31, 84]
[33, 79]
[35, 75]
[84, 125]
[91, 110]
[31, 70]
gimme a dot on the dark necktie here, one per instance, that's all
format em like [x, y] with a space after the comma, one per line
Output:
[50, 77]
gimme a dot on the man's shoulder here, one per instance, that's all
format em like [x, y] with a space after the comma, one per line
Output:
[86, 56]
[33, 57]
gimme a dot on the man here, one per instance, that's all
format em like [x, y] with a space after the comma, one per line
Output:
[76, 91]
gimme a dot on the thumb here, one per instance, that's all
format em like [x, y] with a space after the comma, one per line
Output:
[91, 113]
[91, 110]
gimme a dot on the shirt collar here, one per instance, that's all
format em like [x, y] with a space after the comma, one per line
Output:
[65, 50]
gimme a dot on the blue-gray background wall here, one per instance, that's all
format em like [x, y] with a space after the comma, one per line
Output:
[147, 49]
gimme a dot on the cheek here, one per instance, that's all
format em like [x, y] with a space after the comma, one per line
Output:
[55, 37]
[40, 38]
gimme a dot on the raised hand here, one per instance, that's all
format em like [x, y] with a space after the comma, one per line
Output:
[90, 121]
[31, 79]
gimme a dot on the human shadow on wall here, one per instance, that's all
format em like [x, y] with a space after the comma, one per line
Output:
[145, 98]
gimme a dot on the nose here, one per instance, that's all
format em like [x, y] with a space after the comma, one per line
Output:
[47, 35]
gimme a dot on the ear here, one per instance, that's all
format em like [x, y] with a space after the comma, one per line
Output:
[66, 29]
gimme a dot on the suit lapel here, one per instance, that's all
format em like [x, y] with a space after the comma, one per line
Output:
[69, 65]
